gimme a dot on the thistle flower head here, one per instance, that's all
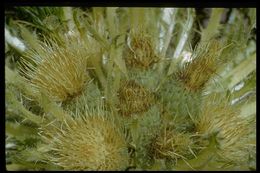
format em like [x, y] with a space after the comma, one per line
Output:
[196, 73]
[172, 144]
[219, 116]
[140, 53]
[58, 70]
[89, 143]
[134, 98]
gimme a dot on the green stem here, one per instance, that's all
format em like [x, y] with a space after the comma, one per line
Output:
[97, 67]
[109, 89]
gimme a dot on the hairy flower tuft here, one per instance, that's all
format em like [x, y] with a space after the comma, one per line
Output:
[89, 143]
[233, 131]
[172, 144]
[205, 62]
[134, 98]
[140, 53]
[58, 70]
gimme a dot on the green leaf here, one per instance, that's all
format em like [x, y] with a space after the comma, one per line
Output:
[213, 25]
[202, 159]
[248, 109]
[241, 71]
[19, 131]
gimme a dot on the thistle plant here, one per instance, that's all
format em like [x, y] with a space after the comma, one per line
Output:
[130, 89]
